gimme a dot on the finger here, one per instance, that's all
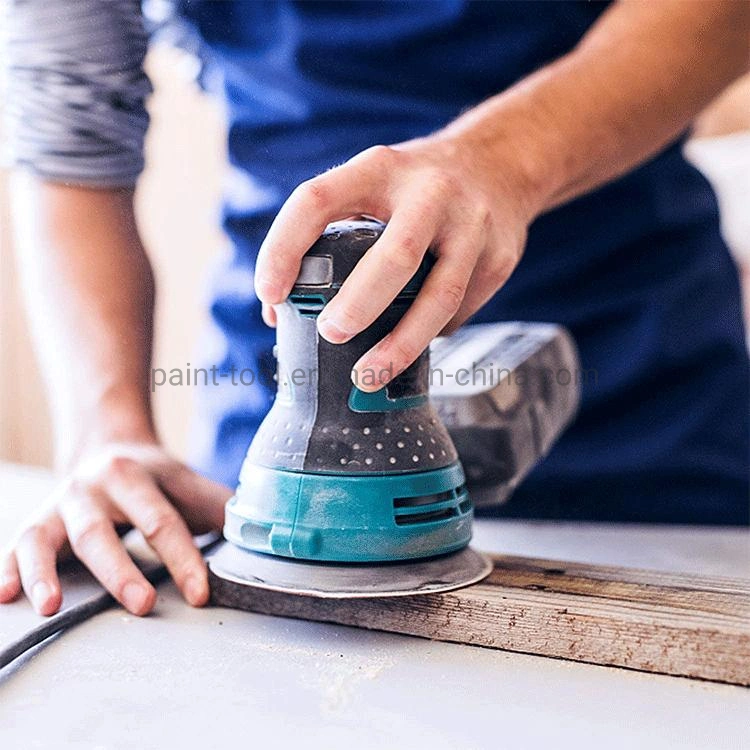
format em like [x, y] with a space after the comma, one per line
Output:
[353, 188]
[488, 277]
[200, 500]
[436, 303]
[95, 542]
[268, 312]
[10, 580]
[383, 271]
[138, 496]
[36, 556]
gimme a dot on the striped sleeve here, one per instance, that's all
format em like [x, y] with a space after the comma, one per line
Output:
[75, 89]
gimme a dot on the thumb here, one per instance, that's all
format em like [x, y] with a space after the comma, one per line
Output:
[269, 315]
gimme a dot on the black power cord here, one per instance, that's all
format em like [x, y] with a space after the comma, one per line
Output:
[80, 612]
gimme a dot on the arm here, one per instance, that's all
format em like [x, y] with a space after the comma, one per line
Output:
[470, 191]
[89, 292]
[634, 83]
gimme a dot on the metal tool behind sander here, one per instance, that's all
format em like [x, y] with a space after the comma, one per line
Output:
[347, 493]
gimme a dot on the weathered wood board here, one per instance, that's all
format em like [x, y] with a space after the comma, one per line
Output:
[684, 625]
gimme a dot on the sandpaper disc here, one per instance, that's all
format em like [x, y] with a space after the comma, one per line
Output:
[348, 580]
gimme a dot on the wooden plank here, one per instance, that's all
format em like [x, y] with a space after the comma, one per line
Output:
[684, 625]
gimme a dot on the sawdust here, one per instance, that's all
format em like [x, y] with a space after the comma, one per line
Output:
[341, 686]
[336, 675]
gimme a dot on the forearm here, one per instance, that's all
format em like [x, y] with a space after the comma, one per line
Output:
[89, 293]
[634, 82]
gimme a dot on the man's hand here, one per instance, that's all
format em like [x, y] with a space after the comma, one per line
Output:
[89, 291]
[432, 197]
[470, 192]
[117, 486]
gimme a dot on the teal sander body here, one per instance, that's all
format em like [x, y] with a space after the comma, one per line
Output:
[335, 473]
[350, 493]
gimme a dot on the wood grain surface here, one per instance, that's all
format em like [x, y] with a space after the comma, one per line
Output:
[686, 625]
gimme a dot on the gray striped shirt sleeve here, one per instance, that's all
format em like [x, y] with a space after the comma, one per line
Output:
[75, 89]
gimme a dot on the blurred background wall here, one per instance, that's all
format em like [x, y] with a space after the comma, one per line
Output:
[177, 203]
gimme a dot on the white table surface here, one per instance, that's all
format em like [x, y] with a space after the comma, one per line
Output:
[186, 678]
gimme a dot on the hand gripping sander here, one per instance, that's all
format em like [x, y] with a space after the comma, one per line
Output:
[349, 493]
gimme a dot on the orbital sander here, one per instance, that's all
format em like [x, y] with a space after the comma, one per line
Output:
[352, 493]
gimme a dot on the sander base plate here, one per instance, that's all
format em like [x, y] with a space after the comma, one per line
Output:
[348, 580]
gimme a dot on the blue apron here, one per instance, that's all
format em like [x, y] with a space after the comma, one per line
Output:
[637, 270]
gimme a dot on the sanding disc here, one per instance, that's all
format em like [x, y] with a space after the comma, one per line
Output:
[348, 580]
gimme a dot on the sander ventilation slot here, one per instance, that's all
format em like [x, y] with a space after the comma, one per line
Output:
[429, 508]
